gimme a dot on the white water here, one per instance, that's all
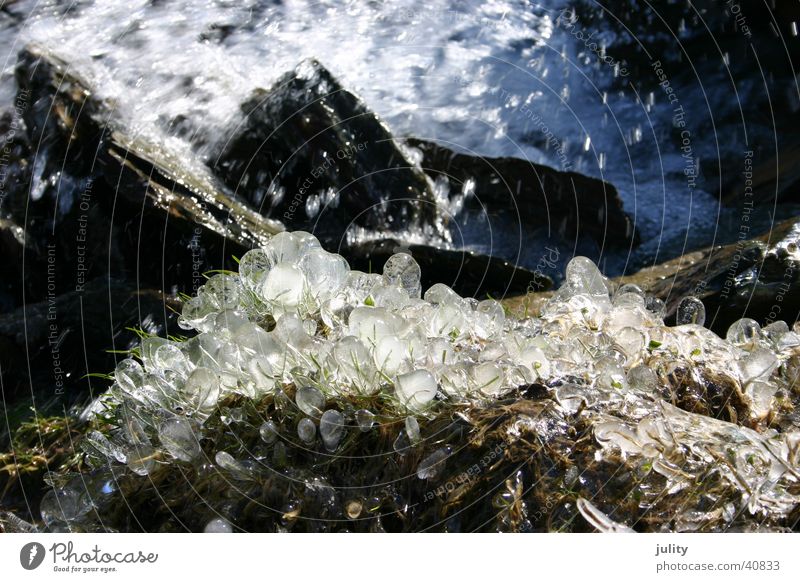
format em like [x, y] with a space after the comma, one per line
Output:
[461, 72]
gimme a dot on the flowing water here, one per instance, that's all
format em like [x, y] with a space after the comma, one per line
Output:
[500, 78]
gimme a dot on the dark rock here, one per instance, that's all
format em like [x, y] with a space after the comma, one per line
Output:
[307, 136]
[469, 274]
[99, 203]
[566, 202]
[48, 348]
[757, 278]
[772, 180]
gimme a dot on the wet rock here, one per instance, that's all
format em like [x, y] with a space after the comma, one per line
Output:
[48, 348]
[757, 278]
[97, 202]
[567, 202]
[469, 274]
[775, 179]
[312, 155]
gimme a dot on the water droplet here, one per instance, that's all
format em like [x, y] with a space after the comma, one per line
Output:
[690, 311]
[306, 430]
[331, 428]
[177, 436]
[218, 525]
[268, 432]
[310, 401]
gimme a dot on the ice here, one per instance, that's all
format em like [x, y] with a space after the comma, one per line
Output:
[489, 318]
[178, 438]
[745, 331]
[306, 430]
[412, 429]
[432, 465]
[690, 311]
[758, 365]
[101, 444]
[487, 378]
[331, 428]
[440, 293]
[62, 505]
[202, 389]
[365, 349]
[254, 266]
[416, 389]
[310, 401]
[222, 292]
[372, 324]
[268, 432]
[355, 365]
[401, 269]
[365, 420]
[141, 458]
[218, 525]
[584, 278]
[233, 467]
[761, 397]
[283, 286]
[325, 273]
[287, 247]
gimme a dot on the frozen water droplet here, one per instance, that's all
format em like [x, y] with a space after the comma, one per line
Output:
[202, 389]
[284, 247]
[355, 365]
[631, 340]
[655, 306]
[218, 525]
[141, 459]
[268, 432]
[758, 365]
[310, 401]
[412, 429]
[743, 332]
[643, 378]
[489, 318]
[416, 389]
[372, 324]
[326, 273]
[100, 443]
[365, 420]
[584, 277]
[535, 360]
[331, 428]
[432, 465]
[177, 436]
[690, 311]
[761, 396]
[254, 266]
[390, 355]
[284, 286]
[488, 378]
[401, 444]
[306, 430]
[62, 505]
[238, 470]
[221, 292]
[401, 269]
[440, 293]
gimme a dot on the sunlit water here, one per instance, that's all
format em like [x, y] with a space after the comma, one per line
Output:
[466, 73]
